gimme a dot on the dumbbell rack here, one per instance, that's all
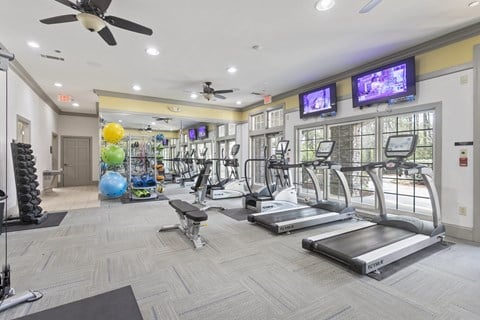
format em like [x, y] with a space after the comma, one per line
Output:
[27, 185]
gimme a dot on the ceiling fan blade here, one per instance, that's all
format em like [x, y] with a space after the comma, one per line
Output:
[369, 6]
[60, 19]
[107, 36]
[102, 4]
[223, 91]
[219, 96]
[128, 25]
[68, 4]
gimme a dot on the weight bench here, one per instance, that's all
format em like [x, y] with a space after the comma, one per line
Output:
[190, 218]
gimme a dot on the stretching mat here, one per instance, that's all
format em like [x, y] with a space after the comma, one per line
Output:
[53, 220]
[118, 304]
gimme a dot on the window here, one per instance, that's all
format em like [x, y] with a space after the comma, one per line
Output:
[407, 192]
[275, 118]
[232, 129]
[355, 146]
[221, 131]
[23, 130]
[257, 145]
[309, 139]
[257, 122]
[361, 142]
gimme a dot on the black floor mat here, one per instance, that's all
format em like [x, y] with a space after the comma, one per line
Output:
[393, 268]
[118, 304]
[53, 220]
[159, 197]
[239, 214]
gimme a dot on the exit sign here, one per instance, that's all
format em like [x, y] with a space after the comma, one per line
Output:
[64, 98]
[267, 99]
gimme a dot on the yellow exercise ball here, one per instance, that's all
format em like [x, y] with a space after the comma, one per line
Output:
[113, 132]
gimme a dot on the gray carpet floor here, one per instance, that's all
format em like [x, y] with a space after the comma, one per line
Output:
[244, 272]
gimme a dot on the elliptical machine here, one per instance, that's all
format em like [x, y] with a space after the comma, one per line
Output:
[233, 186]
[279, 193]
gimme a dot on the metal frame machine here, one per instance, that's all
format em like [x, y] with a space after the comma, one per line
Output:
[368, 248]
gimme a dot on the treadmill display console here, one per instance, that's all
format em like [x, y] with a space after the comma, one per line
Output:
[401, 146]
[282, 147]
[325, 149]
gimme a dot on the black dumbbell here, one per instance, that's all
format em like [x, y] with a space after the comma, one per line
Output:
[23, 172]
[27, 207]
[36, 201]
[33, 176]
[22, 157]
[24, 180]
[24, 188]
[23, 164]
[34, 184]
[35, 192]
[26, 197]
[32, 169]
[24, 145]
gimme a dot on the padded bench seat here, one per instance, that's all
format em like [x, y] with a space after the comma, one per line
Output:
[196, 216]
[182, 206]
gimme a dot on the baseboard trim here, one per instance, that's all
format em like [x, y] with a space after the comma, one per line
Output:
[459, 232]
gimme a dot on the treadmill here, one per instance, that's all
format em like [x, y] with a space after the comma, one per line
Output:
[322, 211]
[369, 248]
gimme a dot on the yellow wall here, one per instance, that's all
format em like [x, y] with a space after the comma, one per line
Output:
[167, 134]
[445, 57]
[151, 107]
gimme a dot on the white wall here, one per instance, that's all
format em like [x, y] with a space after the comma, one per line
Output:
[82, 127]
[456, 98]
[43, 122]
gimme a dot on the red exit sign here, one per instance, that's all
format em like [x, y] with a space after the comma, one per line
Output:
[267, 99]
[64, 98]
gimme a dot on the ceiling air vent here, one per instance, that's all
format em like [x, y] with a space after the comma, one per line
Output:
[47, 56]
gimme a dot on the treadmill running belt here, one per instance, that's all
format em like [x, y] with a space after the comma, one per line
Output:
[352, 244]
[274, 217]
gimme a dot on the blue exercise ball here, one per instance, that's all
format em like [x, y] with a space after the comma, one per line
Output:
[112, 184]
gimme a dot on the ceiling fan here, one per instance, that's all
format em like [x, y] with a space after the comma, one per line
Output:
[92, 16]
[369, 6]
[208, 92]
[164, 119]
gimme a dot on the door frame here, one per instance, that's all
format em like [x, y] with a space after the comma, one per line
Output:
[62, 138]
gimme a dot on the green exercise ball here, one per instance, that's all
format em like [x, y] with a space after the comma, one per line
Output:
[113, 155]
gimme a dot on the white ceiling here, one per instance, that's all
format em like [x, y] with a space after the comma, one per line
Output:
[198, 40]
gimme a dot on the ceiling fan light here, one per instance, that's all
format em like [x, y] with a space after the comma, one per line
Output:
[324, 5]
[91, 22]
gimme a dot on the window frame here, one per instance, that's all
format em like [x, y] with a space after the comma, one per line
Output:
[435, 107]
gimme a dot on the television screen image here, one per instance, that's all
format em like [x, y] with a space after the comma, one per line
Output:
[165, 142]
[318, 101]
[192, 134]
[393, 81]
[202, 132]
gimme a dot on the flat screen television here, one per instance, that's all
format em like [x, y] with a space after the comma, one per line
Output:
[192, 134]
[394, 81]
[165, 142]
[319, 101]
[202, 132]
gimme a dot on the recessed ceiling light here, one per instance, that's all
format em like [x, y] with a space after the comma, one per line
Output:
[137, 87]
[473, 4]
[239, 102]
[58, 84]
[152, 51]
[232, 69]
[120, 121]
[324, 5]
[33, 44]
[153, 123]
[194, 95]
[76, 104]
